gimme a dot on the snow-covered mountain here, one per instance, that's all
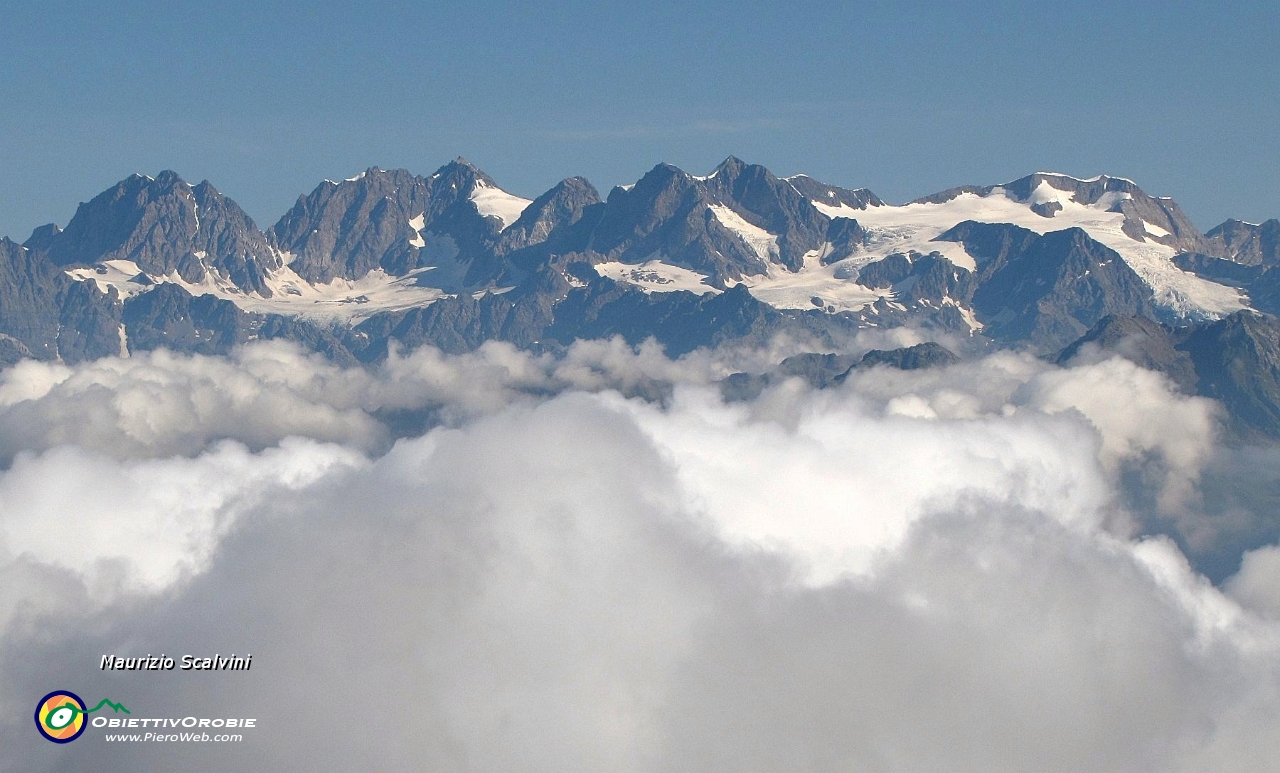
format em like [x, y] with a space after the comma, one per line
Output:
[161, 229]
[452, 258]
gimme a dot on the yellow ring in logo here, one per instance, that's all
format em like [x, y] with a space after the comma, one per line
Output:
[60, 716]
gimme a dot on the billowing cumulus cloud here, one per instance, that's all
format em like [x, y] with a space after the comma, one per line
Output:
[1257, 584]
[912, 571]
[144, 523]
[160, 403]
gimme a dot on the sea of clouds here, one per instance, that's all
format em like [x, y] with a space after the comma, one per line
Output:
[594, 562]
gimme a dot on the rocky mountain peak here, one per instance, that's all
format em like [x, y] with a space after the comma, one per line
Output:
[1037, 265]
[149, 221]
[662, 177]
[163, 226]
[397, 222]
[560, 207]
[1251, 244]
[42, 237]
[731, 166]
[460, 175]
[831, 197]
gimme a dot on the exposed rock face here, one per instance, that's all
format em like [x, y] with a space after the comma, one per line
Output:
[31, 309]
[915, 278]
[859, 198]
[667, 214]
[170, 317]
[228, 240]
[397, 222]
[1047, 290]
[164, 226]
[819, 370]
[350, 228]
[1264, 292]
[1246, 243]
[727, 225]
[49, 316]
[89, 323]
[1235, 360]
[846, 238]
[158, 262]
[681, 322]
[1144, 342]
[928, 290]
[12, 350]
[824, 370]
[558, 208]
[1221, 270]
[1252, 265]
[773, 204]
[925, 355]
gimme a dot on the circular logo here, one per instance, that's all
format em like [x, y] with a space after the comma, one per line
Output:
[60, 716]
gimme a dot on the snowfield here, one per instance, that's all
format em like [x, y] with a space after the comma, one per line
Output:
[656, 276]
[914, 226]
[890, 229]
[495, 202]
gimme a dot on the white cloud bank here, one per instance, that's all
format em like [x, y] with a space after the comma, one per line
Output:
[912, 572]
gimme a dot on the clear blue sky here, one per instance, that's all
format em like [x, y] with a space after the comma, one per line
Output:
[905, 98]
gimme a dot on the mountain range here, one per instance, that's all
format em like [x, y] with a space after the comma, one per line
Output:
[1049, 263]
